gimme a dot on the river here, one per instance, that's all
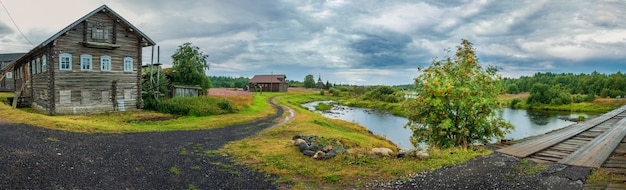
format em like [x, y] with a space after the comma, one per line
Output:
[526, 122]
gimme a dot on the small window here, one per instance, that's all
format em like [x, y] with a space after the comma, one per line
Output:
[38, 65]
[32, 67]
[65, 96]
[9, 75]
[85, 62]
[44, 66]
[65, 62]
[128, 64]
[105, 63]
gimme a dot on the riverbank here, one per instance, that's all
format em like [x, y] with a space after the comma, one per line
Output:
[598, 105]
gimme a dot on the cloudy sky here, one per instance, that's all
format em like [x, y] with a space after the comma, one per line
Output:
[363, 42]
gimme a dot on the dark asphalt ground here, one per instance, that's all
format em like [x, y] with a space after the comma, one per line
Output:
[37, 158]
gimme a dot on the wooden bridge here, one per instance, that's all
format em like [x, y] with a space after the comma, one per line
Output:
[595, 143]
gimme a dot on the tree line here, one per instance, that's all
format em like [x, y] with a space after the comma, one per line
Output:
[228, 82]
[600, 84]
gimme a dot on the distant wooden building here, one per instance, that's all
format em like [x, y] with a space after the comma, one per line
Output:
[185, 91]
[91, 66]
[269, 83]
[320, 84]
[6, 71]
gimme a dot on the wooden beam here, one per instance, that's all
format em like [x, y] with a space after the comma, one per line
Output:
[85, 30]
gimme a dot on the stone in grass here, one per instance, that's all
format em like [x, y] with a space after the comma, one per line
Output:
[314, 147]
[413, 153]
[298, 141]
[308, 153]
[303, 146]
[382, 151]
[327, 148]
[319, 155]
[330, 154]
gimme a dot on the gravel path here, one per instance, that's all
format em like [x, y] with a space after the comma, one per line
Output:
[38, 158]
[496, 171]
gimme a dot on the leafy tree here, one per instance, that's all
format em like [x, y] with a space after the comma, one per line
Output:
[327, 86]
[228, 82]
[546, 94]
[309, 82]
[512, 89]
[189, 66]
[455, 102]
[382, 93]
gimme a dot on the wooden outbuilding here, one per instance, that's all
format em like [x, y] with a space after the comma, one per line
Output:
[6, 71]
[91, 66]
[269, 83]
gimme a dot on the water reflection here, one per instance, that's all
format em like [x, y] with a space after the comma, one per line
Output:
[526, 122]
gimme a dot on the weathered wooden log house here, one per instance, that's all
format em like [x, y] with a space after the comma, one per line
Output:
[91, 66]
[6, 74]
[269, 83]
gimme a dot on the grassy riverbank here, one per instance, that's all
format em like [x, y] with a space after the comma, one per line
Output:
[599, 105]
[272, 151]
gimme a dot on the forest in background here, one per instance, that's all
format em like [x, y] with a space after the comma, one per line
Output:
[600, 84]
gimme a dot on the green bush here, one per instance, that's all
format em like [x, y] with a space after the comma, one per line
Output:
[382, 93]
[579, 98]
[195, 106]
[225, 105]
[323, 107]
[514, 102]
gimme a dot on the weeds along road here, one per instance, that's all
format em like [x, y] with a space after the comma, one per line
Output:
[37, 158]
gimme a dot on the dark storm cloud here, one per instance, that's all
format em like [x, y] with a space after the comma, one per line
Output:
[5, 29]
[382, 51]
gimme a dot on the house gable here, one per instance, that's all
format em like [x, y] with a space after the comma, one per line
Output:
[90, 66]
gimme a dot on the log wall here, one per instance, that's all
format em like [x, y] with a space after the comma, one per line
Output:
[91, 91]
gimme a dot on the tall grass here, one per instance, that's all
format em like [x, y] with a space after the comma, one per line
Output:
[239, 100]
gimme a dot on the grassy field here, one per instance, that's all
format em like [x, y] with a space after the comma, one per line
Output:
[139, 121]
[272, 151]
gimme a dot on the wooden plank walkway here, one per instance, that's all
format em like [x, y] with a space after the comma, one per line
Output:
[526, 148]
[594, 153]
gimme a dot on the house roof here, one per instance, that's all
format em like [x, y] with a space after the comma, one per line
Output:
[274, 78]
[8, 57]
[103, 8]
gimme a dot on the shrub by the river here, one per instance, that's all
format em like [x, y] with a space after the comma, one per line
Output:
[323, 106]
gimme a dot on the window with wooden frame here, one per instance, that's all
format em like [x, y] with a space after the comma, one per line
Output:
[99, 32]
[65, 62]
[128, 64]
[105, 63]
[85, 62]
[44, 66]
[38, 65]
[32, 67]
